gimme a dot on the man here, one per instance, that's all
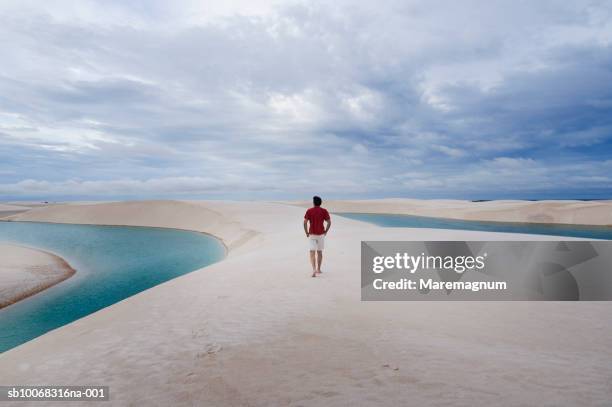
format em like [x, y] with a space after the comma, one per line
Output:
[316, 233]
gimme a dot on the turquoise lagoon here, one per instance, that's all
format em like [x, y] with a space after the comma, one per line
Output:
[409, 221]
[112, 263]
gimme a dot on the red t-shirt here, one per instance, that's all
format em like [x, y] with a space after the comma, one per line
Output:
[316, 215]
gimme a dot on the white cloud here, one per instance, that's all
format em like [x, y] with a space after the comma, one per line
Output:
[157, 97]
[450, 151]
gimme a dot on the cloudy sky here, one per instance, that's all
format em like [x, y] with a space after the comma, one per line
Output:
[267, 100]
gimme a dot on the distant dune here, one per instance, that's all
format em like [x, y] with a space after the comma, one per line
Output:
[255, 329]
[8, 210]
[567, 212]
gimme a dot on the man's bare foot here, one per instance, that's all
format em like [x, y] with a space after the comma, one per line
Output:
[318, 272]
[314, 274]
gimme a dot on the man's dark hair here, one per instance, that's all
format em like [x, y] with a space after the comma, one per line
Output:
[316, 200]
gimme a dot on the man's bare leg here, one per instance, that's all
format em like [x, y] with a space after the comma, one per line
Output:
[313, 263]
[319, 260]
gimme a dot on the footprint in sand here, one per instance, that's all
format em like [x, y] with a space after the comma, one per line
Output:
[210, 350]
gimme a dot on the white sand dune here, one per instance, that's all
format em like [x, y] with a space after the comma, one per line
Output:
[8, 209]
[25, 271]
[255, 329]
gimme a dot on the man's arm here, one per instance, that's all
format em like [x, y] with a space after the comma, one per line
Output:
[327, 225]
[306, 227]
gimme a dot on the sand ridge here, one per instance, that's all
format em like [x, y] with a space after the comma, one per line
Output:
[25, 271]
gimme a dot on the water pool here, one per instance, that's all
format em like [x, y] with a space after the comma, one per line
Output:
[409, 221]
[112, 263]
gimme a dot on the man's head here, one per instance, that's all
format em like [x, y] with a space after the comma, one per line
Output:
[316, 200]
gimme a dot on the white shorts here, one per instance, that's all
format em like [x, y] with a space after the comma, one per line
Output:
[317, 242]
